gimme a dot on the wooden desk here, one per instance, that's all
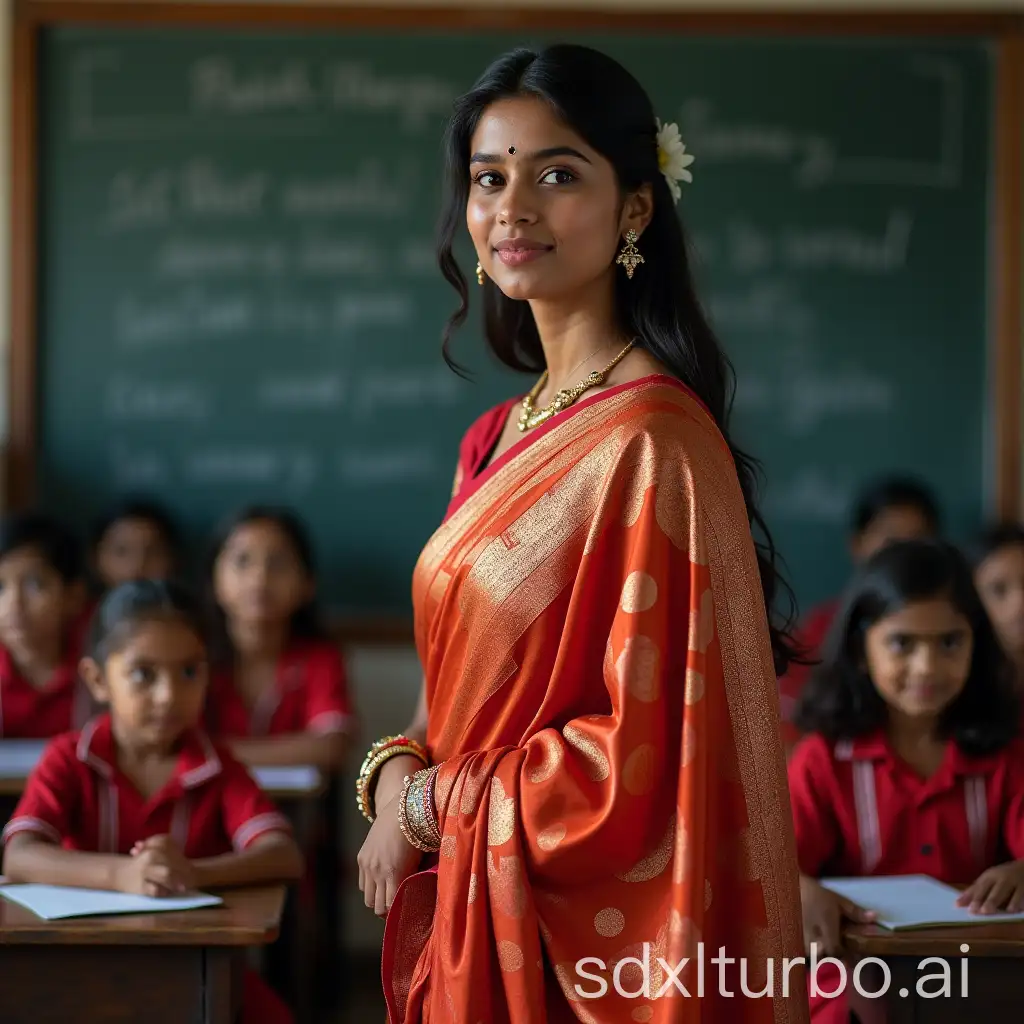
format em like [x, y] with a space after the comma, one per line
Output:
[174, 968]
[995, 972]
[291, 782]
[299, 789]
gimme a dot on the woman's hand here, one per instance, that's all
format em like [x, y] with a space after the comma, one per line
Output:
[823, 913]
[1000, 888]
[386, 859]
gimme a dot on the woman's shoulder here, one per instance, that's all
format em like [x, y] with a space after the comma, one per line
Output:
[666, 408]
[661, 423]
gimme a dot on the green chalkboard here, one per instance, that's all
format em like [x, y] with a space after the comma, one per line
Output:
[239, 300]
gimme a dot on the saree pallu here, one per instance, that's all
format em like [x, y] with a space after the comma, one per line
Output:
[603, 705]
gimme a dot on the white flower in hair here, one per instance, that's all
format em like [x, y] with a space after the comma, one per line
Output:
[673, 158]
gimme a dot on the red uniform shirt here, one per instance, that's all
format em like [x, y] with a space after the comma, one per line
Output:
[33, 714]
[77, 796]
[858, 809]
[310, 695]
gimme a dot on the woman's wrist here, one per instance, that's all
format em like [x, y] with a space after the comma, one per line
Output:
[391, 779]
[384, 750]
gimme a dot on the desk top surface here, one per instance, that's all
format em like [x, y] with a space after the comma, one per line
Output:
[248, 917]
[1005, 939]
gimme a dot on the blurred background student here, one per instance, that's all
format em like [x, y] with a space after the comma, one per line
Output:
[997, 556]
[42, 593]
[135, 539]
[279, 691]
[889, 509]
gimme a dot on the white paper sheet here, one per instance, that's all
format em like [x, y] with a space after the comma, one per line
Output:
[53, 902]
[911, 901]
[299, 778]
[19, 757]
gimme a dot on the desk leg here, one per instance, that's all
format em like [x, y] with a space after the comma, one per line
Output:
[904, 978]
[221, 998]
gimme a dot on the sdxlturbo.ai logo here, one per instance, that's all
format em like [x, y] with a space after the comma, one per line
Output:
[938, 984]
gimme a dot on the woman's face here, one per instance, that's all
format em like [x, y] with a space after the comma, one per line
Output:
[545, 211]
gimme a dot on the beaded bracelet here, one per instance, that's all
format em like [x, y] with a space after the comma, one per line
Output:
[417, 817]
[377, 756]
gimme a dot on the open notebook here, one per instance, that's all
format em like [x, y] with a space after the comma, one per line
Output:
[911, 901]
[53, 902]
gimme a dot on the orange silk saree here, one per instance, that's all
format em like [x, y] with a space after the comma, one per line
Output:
[604, 707]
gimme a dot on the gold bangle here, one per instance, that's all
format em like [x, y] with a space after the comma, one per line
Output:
[417, 819]
[381, 752]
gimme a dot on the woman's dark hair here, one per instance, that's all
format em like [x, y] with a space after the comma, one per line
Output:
[130, 604]
[607, 107]
[895, 492]
[993, 539]
[138, 507]
[51, 538]
[841, 702]
[306, 623]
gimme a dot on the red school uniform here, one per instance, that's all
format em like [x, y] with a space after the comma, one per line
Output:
[858, 809]
[310, 695]
[28, 713]
[78, 797]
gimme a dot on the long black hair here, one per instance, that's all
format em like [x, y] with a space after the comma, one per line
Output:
[606, 106]
[840, 700]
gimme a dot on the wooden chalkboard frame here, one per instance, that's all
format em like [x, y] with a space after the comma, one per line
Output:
[1006, 229]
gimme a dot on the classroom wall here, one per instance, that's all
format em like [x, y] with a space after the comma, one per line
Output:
[385, 681]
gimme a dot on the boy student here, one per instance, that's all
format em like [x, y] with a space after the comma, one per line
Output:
[42, 592]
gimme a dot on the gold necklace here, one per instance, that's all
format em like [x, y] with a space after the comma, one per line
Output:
[528, 418]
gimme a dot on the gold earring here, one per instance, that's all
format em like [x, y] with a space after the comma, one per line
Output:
[479, 275]
[630, 256]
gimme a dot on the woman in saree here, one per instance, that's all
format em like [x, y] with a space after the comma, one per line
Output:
[595, 767]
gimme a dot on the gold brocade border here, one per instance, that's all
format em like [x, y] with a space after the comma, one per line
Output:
[554, 451]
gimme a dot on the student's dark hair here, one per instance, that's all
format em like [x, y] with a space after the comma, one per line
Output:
[992, 539]
[841, 702]
[136, 506]
[46, 535]
[607, 107]
[129, 605]
[307, 622]
[889, 492]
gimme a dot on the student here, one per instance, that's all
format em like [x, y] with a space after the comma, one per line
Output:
[889, 509]
[140, 800]
[998, 560]
[910, 765]
[279, 690]
[41, 595]
[136, 539]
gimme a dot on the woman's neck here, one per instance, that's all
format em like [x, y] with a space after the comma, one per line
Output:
[259, 641]
[578, 334]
